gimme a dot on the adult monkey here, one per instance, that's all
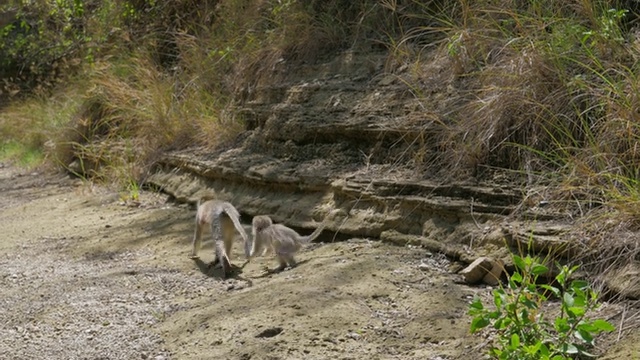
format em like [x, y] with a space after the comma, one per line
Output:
[224, 220]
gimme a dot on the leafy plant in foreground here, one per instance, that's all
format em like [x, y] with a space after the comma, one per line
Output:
[523, 330]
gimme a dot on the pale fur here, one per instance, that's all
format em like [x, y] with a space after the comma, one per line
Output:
[282, 240]
[224, 220]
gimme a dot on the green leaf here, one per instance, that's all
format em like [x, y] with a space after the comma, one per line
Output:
[529, 303]
[569, 349]
[576, 311]
[494, 314]
[579, 299]
[579, 285]
[567, 299]
[516, 277]
[552, 289]
[515, 341]
[519, 263]
[561, 277]
[570, 314]
[562, 325]
[602, 325]
[476, 304]
[498, 298]
[502, 323]
[584, 336]
[533, 349]
[573, 269]
[513, 285]
[531, 288]
[478, 323]
[544, 350]
[524, 316]
[539, 269]
[587, 354]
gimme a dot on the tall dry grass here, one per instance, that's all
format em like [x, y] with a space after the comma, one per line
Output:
[30, 128]
[549, 92]
[539, 86]
[169, 75]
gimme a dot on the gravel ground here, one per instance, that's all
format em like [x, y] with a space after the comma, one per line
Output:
[85, 275]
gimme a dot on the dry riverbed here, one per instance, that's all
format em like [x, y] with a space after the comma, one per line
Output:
[85, 275]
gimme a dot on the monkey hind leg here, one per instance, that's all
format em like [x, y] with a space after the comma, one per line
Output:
[224, 265]
[285, 261]
[213, 263]
[281, 267]
[291, 261]
[221, 256]
[222, 259]
[228, 235]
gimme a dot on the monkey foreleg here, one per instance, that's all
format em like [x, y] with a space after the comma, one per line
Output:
[197, 241]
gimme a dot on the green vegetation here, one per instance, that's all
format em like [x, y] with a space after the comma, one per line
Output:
[545, 82]
[27, 157]
[146, 76]
[524, 320]
[545, 89]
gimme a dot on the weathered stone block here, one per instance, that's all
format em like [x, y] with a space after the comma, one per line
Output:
[493, 276]
[476, 271]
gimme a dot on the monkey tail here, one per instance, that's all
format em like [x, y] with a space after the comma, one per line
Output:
[314, 234]
[216, 230]
[235, 218]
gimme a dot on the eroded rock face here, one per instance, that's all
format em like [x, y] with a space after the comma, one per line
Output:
[462, 221]
[343, 136]
[624, 280]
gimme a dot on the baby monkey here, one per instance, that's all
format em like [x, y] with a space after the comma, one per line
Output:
[224, 221]
[284, 241]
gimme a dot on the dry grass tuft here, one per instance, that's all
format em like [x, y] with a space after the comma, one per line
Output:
[30, 127]
[173, 75]
[544, 90]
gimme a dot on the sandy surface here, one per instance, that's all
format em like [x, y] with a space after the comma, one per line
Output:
[85, 275]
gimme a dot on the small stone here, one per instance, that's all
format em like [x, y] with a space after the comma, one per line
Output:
[387, 80]
[354, 336]
[477, 270]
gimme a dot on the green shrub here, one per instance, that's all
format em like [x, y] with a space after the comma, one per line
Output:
[523, 329]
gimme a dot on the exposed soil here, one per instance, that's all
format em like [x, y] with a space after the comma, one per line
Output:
[88, 276]
[85, 275]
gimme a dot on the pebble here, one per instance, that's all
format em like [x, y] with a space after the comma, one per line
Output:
[354, 336]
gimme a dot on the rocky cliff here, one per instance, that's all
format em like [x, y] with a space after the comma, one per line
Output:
[346, 135]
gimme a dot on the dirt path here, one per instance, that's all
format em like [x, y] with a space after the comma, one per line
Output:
[84, 276]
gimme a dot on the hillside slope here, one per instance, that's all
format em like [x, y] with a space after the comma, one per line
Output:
[343, 135]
